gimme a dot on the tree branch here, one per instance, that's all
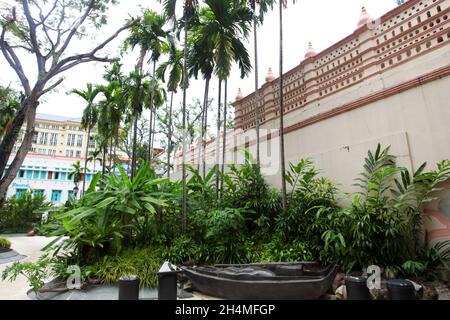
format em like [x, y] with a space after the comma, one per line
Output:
[53, 86]
[13, 60]
[33, 38]
[72, 61]
[76, 26]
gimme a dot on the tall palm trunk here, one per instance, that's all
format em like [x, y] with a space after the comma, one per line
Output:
[218, 138]
[152, 142]
[255, 30]
[282, 153]
[169, 135]
[105, 148]
[202, 125]
[185, 83]
[205, 126]
[224, 146]
[133, 161]
[111, 153]
[152, 113]
[87, 156]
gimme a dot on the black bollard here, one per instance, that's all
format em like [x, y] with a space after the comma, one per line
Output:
[129, 288]
[399, 289]
[357, 288]
[167, 283]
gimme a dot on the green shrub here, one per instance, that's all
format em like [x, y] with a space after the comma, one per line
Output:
[279, 251]
[183, 249]
[309, 194]
[382, 225]
[23, 213]
[144, 263]
[35, 273]
[5, 243]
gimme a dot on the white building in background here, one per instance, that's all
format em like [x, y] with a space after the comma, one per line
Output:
[49, 176]
[58, 142]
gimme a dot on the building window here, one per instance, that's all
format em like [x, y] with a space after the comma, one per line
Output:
[78, 155]
[35, 137]
[69, 153]
[29, 174]
[36, 175]
[44, 138]
[43, 175]
[63, 176]
[69, 194]
[54, 139]
[56, 196]
[80, 140]
[20, 192]
[57, 174]
[21, 174]
[91, 142]
[71, 140]
[39, 193]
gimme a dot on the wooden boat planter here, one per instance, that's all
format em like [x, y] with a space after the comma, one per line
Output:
[269, 281]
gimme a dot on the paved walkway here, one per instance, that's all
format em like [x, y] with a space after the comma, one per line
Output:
[31, 248]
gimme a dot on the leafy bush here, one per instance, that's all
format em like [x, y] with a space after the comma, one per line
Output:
[23, 213]
[106, 220]
[225, 236]
[382, 225]
[144, 263]
[35, 273]
[245, 187]
[279, 251]
[5, 243]
[308, 195]
[182, 250]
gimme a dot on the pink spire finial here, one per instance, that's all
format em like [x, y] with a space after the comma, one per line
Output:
[365, 17]
[270, 76]
[239, 96]
[310, 52]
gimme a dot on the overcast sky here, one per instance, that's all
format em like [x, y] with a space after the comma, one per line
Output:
[323, 22]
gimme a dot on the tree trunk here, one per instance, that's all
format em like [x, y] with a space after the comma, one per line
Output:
[224, 146]
[105, 149]
[202, 132]
[87, 156]
[185, 83]
[27, 113]
[111, 153]
[153, 137]
[205, 126]
[255, 30]
[218, 139]
[150, 132]
[134, 152]
[282, 154]
[169, 136]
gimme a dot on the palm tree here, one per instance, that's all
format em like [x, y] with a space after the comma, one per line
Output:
[138, 91]
[282, 4]
[110, 113]
[225, 24]
[150, 36]
[76, 174]
[89, 119]
[174, 68]
[201, 59]
[257, 19]
[94, 157]
[189, 11]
